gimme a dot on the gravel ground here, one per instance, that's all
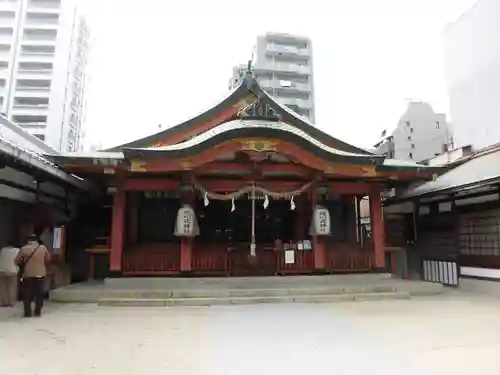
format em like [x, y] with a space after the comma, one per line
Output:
[451, 334]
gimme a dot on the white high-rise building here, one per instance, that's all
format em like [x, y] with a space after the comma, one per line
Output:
[282, 64]
[43, 59]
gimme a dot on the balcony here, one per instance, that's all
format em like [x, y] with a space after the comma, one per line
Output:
[288, 67]
[37, 125]
[32, 89]
[23, 104]
[39, 121]
[41, 19]
[45, 33]
[7, 16]
[33, 85]
[300, 103]
[285, 85]
[39, 42]
[36, 57]
[10, 5]
[44, 4]
[289, 50]
[42, 25]
[34, 74]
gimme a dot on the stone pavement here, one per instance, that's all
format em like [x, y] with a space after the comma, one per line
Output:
[451, 334]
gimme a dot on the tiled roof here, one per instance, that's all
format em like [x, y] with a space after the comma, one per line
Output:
[256, 124]
[479, 170]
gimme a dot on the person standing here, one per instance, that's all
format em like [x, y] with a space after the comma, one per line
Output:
[33, 257]
[8, 275]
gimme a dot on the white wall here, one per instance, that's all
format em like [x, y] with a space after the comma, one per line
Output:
[472, 68]
[60, 89]
[427, 137]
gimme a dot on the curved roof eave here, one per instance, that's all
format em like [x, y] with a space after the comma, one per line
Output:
[254, 128]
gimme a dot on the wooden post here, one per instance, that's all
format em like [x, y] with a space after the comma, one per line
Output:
[187, 243]
[117, 226]
[377, 223]
[318, 243]
[359, 232]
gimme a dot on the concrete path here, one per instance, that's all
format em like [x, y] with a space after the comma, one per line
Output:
[453, 334]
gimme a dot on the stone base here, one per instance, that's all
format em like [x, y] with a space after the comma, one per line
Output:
[196, 291]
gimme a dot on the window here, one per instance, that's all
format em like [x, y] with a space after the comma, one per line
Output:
[409, 137]
[478, 233]
[413, 145]
[408, 123]
[411, 130]
[410, 155]
[437, 124]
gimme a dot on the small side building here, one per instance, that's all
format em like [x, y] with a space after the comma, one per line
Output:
[453, 223]
[36, 196]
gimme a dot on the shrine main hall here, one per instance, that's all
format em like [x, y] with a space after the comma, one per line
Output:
[246, 188]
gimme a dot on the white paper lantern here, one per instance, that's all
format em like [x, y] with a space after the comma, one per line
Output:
[321, 222]
[186, 224]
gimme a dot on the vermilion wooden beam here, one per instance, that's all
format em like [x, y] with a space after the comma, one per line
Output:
[353, 188]
[156, 165]
[231, 185]
[247, 168]
[305, 158]
[404, 175]
[141, 184]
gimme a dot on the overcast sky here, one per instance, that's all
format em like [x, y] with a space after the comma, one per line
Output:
[157, 61]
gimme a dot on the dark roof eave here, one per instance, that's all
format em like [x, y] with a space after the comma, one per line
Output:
[90, 161]
[409, 168]
[446, 191]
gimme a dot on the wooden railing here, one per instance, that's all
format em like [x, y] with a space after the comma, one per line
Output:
[345, 257]
[210, 260]
[164, 259]
[303, 263]
[152, 260]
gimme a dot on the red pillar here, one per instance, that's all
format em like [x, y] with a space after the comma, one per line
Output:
[133, 217]
[300, 218]
[377, 223]
[318, 243]
[187, 243]
[117, 229]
